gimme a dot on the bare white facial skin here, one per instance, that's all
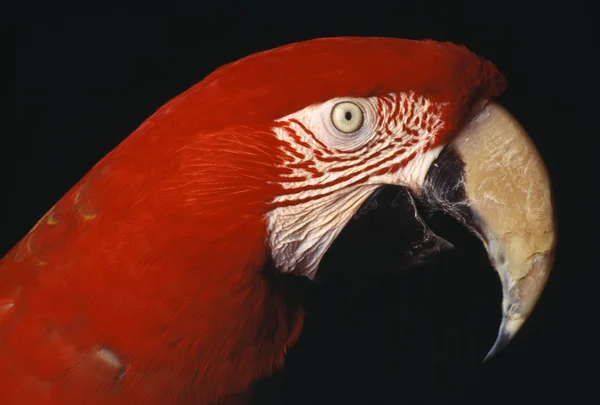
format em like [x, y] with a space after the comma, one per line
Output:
[340, 152]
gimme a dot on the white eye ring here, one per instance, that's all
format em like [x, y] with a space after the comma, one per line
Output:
[347, 117]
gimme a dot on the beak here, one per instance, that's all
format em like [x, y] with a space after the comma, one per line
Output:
[493, 180]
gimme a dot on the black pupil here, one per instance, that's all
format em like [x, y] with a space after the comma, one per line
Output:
[348, 116]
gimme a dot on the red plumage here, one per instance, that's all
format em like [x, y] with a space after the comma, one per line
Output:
[158, 254]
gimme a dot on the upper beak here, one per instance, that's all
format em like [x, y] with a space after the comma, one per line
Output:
[492, 179]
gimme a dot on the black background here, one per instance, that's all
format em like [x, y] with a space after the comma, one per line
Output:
[376, 336]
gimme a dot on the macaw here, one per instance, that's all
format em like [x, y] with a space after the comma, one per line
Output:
[157, 279]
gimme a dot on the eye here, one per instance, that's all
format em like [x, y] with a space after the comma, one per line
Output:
[347, 117]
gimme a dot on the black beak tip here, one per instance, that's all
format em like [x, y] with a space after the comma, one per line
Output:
[501, 342]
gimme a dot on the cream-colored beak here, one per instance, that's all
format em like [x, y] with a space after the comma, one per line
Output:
[492, 178]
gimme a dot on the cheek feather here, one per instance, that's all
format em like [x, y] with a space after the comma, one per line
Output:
[299, 235]
[324, 182]
[403, 126]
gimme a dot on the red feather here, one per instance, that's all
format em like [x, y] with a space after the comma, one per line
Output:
[157, 255]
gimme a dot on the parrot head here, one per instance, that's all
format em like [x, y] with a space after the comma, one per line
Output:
[161, 264]
[343, 117]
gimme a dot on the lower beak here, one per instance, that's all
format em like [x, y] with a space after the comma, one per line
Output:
[493, 180]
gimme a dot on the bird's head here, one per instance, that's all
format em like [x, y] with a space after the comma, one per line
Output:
[303, 134]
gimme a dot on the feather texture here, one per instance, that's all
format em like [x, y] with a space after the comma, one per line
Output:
[148, 282]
